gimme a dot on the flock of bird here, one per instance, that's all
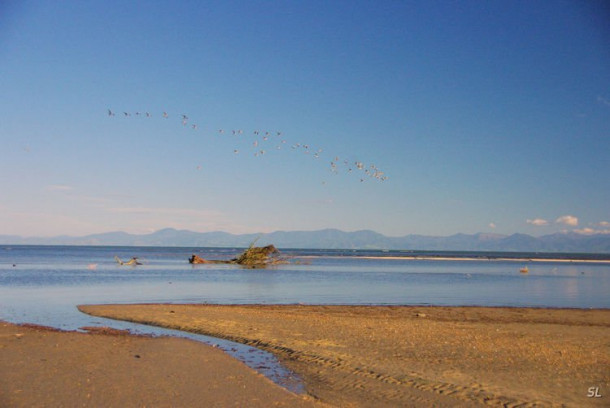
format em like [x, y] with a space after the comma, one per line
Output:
[262, 141]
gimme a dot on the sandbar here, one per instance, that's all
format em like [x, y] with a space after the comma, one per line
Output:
[465, 258]
[408, 356]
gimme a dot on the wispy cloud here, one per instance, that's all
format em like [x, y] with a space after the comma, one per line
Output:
[570, 220]
[538, 222]
[76, 195]
[322, 201]
[148, 219]
[45, 224]
[58, 187]
[604, 228]
[603, 101]
[179, 212]
[592, 231]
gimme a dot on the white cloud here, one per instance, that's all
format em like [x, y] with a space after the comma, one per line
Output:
[604, 224]
[567, 220]
[539, 222]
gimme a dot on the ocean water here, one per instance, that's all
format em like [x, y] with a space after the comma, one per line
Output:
[40, 283]
[44, 284]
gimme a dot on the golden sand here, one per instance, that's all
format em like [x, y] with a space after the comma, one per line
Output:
[374, 356]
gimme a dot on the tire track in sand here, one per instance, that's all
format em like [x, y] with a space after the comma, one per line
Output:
[356, 379]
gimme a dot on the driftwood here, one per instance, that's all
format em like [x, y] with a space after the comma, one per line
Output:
[133, 261]
[253, 257]
[198, 260]
[256, 257]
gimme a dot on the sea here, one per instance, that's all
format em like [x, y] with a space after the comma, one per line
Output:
[44, 284]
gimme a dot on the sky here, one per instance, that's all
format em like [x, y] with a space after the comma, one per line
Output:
[402, 117]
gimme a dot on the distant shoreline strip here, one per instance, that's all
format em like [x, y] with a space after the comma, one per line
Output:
[448, 258]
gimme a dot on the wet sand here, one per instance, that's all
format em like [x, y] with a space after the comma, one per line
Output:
[375, 356]
[41, 367]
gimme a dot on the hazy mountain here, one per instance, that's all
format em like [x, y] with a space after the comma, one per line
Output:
[336, 239]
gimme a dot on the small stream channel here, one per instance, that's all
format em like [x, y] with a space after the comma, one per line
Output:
[69, 318]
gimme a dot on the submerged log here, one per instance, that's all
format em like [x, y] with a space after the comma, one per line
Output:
[253, 257]
[198, 260]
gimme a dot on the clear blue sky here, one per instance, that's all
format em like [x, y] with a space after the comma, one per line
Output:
[485, 116]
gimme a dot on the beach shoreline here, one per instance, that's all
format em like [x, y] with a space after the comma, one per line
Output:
[356, 356]
[413, 355]
[457, 258]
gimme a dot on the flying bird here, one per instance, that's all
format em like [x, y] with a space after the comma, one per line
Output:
[337, 164]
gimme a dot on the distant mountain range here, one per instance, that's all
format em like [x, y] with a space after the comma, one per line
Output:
[336, 239]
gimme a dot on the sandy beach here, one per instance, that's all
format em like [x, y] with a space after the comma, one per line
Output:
[373, 356]
[348, 356]
[41, 367]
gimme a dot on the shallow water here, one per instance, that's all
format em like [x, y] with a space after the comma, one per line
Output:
[43, 285]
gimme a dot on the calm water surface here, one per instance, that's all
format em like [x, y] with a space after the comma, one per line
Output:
[37, 282]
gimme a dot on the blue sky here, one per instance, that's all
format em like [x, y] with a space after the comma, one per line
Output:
[485, 116]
